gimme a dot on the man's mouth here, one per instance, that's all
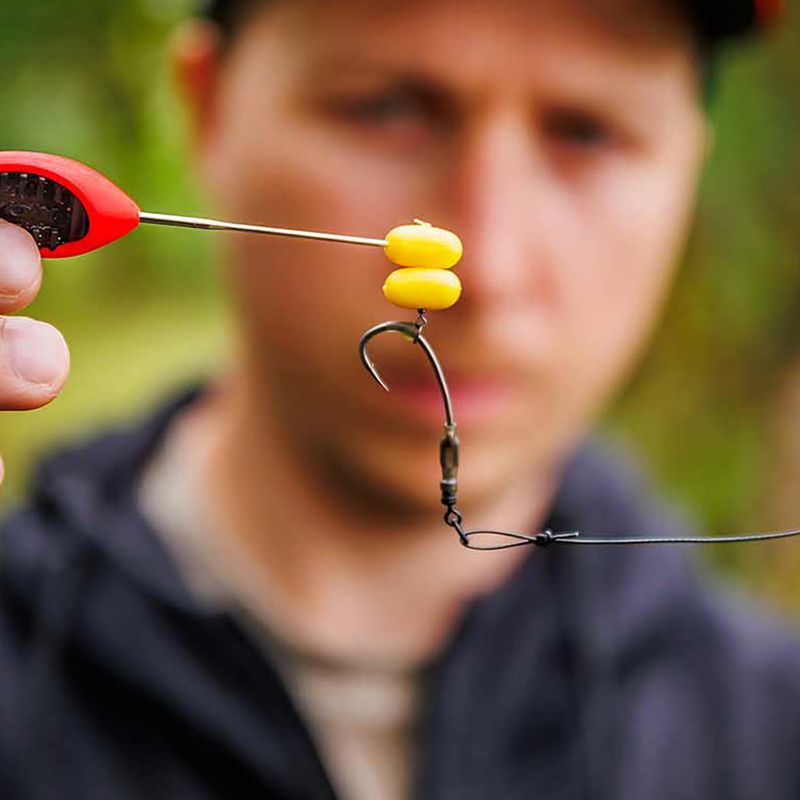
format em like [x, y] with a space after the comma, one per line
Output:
[477, 399]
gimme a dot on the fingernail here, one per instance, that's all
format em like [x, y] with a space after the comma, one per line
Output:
[36, 352]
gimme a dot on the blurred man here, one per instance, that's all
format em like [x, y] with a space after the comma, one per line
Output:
[253, 594]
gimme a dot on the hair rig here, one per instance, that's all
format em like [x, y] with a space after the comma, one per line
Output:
[70, 209]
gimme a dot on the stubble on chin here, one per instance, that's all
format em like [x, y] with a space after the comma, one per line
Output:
[388, 494]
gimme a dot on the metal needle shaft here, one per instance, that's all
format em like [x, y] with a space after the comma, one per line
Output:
[199, 223]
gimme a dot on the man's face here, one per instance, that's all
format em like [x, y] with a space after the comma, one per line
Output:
[561, 141]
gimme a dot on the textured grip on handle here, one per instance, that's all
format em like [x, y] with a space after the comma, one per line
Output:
[67, 207]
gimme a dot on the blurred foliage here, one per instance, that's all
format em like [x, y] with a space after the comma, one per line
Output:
[711, 410]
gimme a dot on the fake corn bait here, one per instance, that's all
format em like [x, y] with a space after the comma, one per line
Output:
[431, 289]
[421, 245]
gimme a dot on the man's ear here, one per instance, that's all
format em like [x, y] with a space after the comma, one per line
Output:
[196, 54]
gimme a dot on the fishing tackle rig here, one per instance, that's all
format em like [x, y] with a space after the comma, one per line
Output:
[70, 209]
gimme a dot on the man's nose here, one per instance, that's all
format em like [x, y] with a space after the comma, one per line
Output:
[493, 203]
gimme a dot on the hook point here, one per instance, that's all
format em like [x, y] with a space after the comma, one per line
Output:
[370, 365]
[381, 382]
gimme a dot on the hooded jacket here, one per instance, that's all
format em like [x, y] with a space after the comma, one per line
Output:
[602, 673]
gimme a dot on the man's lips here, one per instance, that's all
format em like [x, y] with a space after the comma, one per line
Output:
[476, 398]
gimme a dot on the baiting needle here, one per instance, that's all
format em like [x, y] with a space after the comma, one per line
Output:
[199, 223]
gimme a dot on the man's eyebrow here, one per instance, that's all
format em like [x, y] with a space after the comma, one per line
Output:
[350, 66]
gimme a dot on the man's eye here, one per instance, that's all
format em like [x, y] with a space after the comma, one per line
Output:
[379, 109]
[579, 130]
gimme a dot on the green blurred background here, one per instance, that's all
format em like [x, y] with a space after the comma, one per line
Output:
[714, 412]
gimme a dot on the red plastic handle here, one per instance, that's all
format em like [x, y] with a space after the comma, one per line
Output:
[111, 213]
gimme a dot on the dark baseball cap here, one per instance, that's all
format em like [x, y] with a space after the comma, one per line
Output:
[716, 20]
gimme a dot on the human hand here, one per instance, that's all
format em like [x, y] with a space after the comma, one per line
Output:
[34, 359]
